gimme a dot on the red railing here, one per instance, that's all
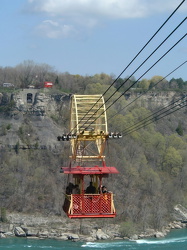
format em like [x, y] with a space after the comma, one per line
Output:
[90, 205]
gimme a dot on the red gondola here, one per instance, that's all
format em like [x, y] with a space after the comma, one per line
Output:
[88, 146]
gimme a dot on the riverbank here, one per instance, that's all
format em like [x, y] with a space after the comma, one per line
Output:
[174, 240]
[58, 227]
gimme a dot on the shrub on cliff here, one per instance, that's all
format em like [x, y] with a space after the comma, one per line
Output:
[127, 229]
[3, 217]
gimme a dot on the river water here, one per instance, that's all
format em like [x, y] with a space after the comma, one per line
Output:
[175, 240]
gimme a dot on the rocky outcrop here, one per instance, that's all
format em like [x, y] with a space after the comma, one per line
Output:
[180, 212]
[45, 102]
[57, 227]
[40, 102]
[153, 98]
[19, 232]
[100, 235]
[2, 235]
[151, 233]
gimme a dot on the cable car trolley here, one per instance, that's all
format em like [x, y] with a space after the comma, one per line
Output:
[86, 197]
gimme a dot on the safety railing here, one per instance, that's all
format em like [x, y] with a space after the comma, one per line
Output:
[90, 205]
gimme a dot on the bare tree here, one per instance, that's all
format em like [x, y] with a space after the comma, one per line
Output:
[26, 73]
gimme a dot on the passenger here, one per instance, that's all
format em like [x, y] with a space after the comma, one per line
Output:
[90, 189]
[104, 190]
[76, 189]
[69, 188]
[100, 189]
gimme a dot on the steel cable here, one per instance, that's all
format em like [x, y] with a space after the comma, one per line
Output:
[131, 62]
[138, 79]
[148, 89]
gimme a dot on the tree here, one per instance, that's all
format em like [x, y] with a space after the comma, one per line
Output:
[179, 129]
[158, 82]
[102, 79]
[144, 84]
[127, 228]
[3, 217]
[174, 83]
[26, 73]
[119, 82]
[175, 141]
[172, 161]
[32, 73]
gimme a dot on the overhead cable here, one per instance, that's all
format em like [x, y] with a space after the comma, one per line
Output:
[147, 58]
[148, 90]
[156, 118]
[139, 68]
[132, 60]
[163, 110]
[137, 79]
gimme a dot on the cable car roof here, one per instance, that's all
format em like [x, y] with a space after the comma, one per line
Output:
[89, 170]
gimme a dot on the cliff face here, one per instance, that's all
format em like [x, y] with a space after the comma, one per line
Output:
[154, 99]
[33, 101]
[43, 103]
[31, 157]
[33, 118]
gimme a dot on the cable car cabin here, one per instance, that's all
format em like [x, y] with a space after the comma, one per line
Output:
[84, 203]
[88, 137]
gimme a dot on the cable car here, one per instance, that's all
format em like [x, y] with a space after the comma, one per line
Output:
[88, 137]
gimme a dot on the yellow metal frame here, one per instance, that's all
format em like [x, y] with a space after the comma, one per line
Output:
[89, 124]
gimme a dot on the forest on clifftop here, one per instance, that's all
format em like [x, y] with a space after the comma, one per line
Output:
[152, 160]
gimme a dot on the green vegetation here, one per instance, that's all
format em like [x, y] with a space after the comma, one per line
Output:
[127, 229]
[152, 161]
[179, 129]
[24, 75]
[8, 127]
[3, 217]
[7, 107]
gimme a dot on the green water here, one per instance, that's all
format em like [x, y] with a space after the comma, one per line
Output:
[177, 239]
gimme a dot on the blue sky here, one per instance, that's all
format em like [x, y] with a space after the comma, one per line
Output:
[89, 37]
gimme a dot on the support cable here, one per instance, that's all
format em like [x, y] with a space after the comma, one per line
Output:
[137, 70]
[147, 58]
[156, 118]
[138, 79]
[147, 90]
[151, 116]
[132, 60]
